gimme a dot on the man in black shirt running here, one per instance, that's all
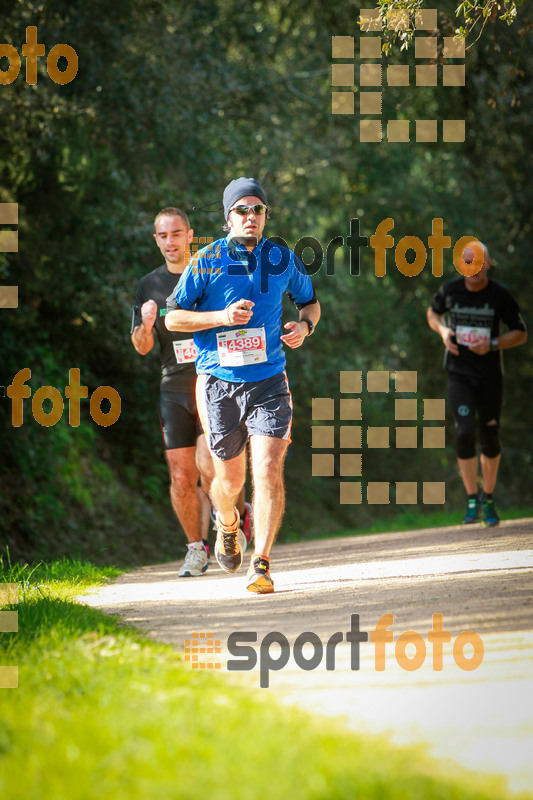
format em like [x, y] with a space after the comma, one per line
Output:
[476, 306]
[185, 447]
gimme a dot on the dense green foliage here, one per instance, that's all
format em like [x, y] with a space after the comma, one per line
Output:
[172, 100]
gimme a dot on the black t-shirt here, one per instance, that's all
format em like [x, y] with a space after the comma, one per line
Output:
[475, 317]
[157, 285]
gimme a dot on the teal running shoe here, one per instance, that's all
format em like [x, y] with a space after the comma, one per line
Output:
[472, 512]
[490, 515]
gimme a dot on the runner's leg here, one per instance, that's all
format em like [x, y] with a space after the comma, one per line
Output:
[216, 401]
[463, 403]
[179, 422]
[268, 455]
[490, 407]
[204, 462]
[205, 512]
[183, 490]
[468, 470]
[239, 503]
[489, 469]
[227, 486]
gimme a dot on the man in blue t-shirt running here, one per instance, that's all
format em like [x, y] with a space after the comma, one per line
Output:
[230, 297]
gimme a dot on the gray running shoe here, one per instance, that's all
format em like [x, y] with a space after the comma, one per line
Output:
[228, 551]
[196, 561]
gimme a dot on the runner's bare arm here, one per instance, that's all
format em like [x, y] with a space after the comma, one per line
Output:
[436, 323]
[300, 330]
[238, 313]
[505, 341]
[143, 334]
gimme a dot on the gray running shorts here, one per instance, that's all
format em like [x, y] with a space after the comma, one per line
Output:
[231, 412]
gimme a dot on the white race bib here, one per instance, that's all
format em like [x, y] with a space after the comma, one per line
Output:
[238, 348]
[185, 351]
[468, 335]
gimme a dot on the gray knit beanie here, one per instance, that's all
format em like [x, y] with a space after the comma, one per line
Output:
[242, 187]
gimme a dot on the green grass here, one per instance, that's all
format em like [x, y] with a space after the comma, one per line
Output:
[66, 577]
[101, 712]
[410, 519]
[415, 519]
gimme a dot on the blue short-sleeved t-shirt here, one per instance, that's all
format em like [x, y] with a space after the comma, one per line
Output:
[223, 273]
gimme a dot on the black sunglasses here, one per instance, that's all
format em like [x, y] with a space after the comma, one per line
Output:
[259, 208]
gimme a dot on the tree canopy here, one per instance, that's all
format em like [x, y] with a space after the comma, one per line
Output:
[171, 101]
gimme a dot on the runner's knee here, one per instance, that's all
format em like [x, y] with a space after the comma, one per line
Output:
[466, 445]
[268, 468]
[182, 483]
[204, 462]
[230, 484]
[490, 439]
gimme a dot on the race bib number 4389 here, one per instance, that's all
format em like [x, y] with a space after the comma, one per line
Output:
[241, 347]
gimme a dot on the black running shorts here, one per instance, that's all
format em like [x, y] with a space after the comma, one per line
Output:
[231, 412]
[180, 425]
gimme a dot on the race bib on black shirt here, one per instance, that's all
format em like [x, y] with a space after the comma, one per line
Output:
[178, 373]
[477, 317]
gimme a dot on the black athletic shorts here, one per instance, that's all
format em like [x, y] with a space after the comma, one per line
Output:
[179, 420]
[231, 412]
[469, 394]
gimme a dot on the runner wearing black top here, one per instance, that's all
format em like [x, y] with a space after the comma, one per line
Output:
[476, 307]
[185, 448]
[177, 406]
